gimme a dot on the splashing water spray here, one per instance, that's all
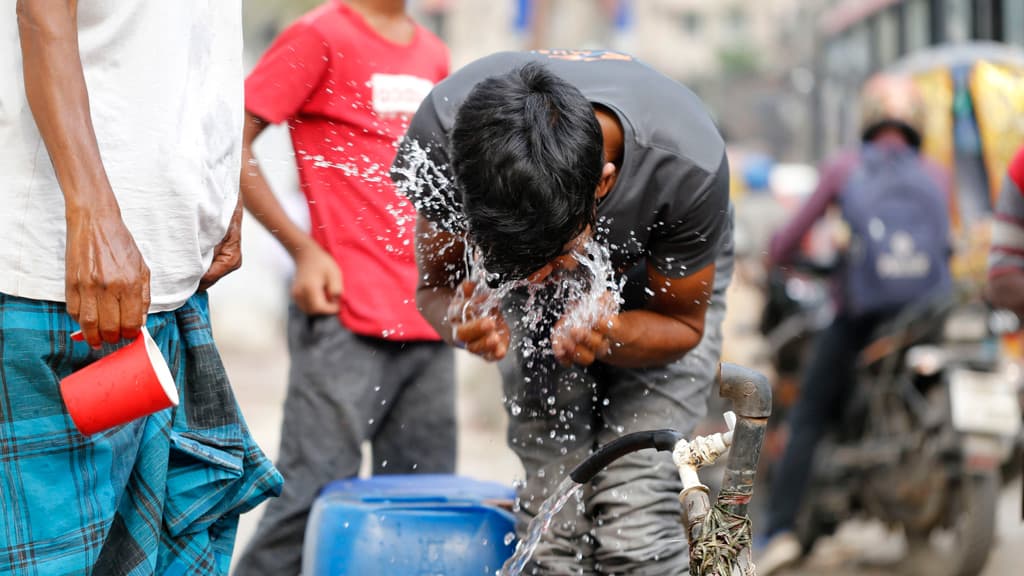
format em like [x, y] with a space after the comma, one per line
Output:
[593, 290]
[719, 535]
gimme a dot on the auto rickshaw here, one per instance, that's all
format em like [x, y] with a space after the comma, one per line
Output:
[974, 96]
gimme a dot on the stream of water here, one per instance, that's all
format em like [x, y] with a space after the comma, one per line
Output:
[539, 526]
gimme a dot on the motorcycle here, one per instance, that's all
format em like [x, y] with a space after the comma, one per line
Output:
[798, 306]
[919, 445]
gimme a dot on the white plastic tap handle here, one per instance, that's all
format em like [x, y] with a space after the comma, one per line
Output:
[730, 421]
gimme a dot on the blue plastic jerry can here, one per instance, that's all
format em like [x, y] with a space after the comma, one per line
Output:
[415, 525]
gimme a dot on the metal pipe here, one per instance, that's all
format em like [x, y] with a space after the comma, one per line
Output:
[696, 503]
[751, 397]
[749, 390]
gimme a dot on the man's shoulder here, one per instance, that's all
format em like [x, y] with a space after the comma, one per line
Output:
[448, 94]
[490, 65]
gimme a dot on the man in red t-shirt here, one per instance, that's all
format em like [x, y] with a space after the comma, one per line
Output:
[347, 77]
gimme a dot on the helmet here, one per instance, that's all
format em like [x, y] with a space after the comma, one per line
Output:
[889, 100]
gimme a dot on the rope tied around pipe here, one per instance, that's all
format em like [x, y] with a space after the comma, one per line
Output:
[724, 547]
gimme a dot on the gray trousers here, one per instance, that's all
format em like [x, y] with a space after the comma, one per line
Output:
[345, 389]
[627, 520]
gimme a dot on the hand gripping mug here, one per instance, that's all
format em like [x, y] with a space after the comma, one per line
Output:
[132, 382]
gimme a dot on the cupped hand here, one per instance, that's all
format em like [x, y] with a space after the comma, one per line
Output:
[478, 326]
[317, 286]
[583, 341]
[106, 278]
[583, 345]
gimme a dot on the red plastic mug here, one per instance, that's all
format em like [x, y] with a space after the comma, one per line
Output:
[130, 383]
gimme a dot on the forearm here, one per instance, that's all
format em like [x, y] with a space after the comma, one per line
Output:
[786, 242]
[440, 267]
[644, 338]
[260, 201]
[56, 92]
[433, 305]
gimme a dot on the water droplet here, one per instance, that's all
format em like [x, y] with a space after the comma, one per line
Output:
[509, 538]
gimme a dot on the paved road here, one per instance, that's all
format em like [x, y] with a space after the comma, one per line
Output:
[857, 550]
[868, 549]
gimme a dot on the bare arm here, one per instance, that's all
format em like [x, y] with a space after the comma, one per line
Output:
[439, 258]
[318, 283]
[786, 242]
[453, 305]
[227, 255]
[259, 198]
[107, 280]
[670, 326]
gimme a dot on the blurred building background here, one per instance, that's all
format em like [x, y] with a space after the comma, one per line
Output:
[763, 66]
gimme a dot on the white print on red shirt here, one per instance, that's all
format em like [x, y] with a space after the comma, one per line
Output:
[398, 93]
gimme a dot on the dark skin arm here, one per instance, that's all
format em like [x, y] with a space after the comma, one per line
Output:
[1007, 291]
[439, 257]
[672, 324]
[317, 285]
[107, 280]
[227, 256]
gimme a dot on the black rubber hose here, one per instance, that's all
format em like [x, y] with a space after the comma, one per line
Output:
[662, 440]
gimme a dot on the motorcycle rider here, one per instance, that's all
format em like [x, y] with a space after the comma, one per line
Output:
[890, 244]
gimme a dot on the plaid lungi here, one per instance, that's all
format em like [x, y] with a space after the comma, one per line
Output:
[160, 495]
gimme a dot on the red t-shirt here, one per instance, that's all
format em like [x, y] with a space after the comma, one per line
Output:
[348, 94]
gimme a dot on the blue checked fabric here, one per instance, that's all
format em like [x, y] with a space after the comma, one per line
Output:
[160, 495]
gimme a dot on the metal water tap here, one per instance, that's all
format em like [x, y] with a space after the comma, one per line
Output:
[719, 535]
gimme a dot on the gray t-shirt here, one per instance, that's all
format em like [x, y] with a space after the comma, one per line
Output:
[670, 203]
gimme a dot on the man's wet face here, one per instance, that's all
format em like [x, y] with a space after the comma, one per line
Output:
[567, 261]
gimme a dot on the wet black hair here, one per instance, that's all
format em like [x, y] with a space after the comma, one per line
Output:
[527, 157]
